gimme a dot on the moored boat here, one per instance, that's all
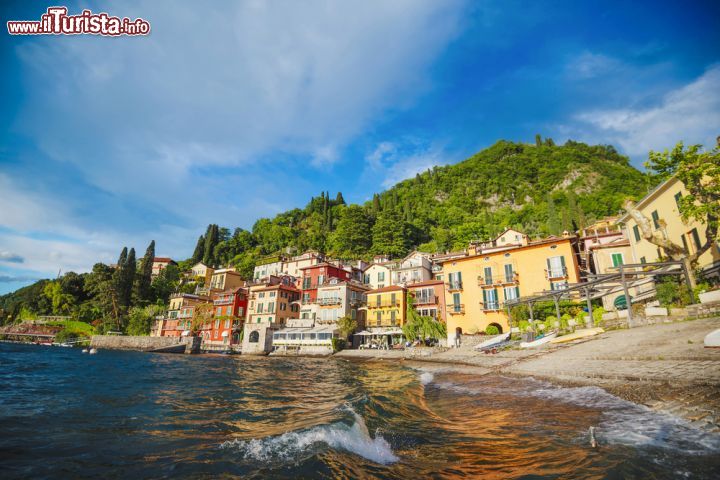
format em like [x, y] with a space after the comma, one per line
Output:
[539, 341]
[712, 339]
[494, 341]
[578, 334]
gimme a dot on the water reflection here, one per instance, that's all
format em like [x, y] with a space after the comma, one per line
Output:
[125, 414]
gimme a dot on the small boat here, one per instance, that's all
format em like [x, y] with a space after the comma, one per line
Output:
[84, 350]
[64, 344]
[93, 351]
[584, 333]
[712, 339]
[493, 342]
[539, 341]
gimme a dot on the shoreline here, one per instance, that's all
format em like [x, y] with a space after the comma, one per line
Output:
[664, 367]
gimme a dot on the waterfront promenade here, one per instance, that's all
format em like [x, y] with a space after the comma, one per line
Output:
[665, 366]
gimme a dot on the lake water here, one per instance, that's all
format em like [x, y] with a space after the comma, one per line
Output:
[64, 414]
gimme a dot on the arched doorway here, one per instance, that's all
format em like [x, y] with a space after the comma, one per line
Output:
[458, 330]
[620, 303]
[496, 325]
[254, 337]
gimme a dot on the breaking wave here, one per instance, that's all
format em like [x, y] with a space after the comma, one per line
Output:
[293, 446]
[426, 377]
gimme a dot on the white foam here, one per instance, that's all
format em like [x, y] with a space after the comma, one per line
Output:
[426, 377]
[291, 445]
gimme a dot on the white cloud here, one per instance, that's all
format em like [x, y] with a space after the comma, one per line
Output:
[183, 122]
[690, 113]
[11, 257]
[394, 162]
[588, 65]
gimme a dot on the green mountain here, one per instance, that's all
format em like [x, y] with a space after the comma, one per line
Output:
[539, 188]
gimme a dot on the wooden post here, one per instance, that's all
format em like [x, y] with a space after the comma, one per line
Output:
[627, 296]
[532, 318]
[686, 275]
[557, 307]
[589, 321]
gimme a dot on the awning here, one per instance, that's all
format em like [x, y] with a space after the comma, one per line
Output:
[226, 334]
[364, 333]
[185, 333]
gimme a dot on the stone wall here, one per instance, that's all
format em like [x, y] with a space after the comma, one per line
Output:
[144, 344]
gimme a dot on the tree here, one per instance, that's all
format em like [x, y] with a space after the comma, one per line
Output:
[199, 249]
[212, 237]
[143, 290]
[538, 140]
[347, 326]
[418, 327]
[339, 200]
[351, 237]
[140, 319]
[390, 235]
[699, 171]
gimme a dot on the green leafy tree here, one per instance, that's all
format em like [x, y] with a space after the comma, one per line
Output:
[140, 319]
[351, 238]
[347, 326]
[390, 235]
[418, 327]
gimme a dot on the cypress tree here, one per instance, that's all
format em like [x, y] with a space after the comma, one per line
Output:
[127, 278]
[199, 249]
[144, 279]
[211, 240]
[339, 200]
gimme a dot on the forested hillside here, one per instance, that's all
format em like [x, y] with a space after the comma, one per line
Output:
[539, 188]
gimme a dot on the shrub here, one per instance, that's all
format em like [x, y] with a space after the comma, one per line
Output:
[564, 321]
[597, 316]
[491, 330]
[338, 344]
[523, 325]
[550, 322]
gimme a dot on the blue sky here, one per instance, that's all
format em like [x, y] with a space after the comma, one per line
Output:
[245, 109]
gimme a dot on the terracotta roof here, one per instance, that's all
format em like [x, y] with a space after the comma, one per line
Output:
[391, 288]
[544, 241]
[162, 259]
[277, 287]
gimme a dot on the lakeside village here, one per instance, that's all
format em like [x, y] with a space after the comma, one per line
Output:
[507, 289]
[310, 304]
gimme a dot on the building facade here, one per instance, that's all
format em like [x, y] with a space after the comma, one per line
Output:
[270, 306]
[662, 208]
[386, 308]
[477, 286]
[429, 298]
[414, 268]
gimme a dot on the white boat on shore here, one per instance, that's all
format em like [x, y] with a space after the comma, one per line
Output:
[540, 341]
[496, 340]
[712, 339]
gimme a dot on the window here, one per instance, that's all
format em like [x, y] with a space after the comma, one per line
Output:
[228, 310]
[556, 267]
[272, 294]
[306, 298]
[366, 278]
[392, 299]
[306, 283]
[642, 260]
[260, 307]
[392, 317]
[217, 323]
[656, 219]
[490, 301]
[271, 307]
[509, 274]
[488, 275]
[381, 276]
[456, 302]
[455, 280]
[636, 233]
[558, 285]
[241, 312]
[696, 238]
[378, 302]
[617, 259]
[254, 337]
[353, 314]
[379, 317]
[511, 293]
[321, 279]
[678, 197]
[227, 323]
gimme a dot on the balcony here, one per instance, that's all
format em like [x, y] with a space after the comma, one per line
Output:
[329, 301]
[556, 273]
[384, 304]
[490, 306]
[426, 300]
[484, 281]
[456, 309]
[437, 268]
[454, 286]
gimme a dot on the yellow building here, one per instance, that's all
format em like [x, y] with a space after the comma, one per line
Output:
[477, 286]
[661, 207]
[386, 307]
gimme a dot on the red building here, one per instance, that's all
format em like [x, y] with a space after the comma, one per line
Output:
[318, 275]
[224, 327]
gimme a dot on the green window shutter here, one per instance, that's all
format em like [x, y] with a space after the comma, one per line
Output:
[484, 297]
[517, 292]
[562, 261]
[636, 232]
[548, 265]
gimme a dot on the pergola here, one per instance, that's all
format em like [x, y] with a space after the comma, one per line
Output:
[627, 277]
